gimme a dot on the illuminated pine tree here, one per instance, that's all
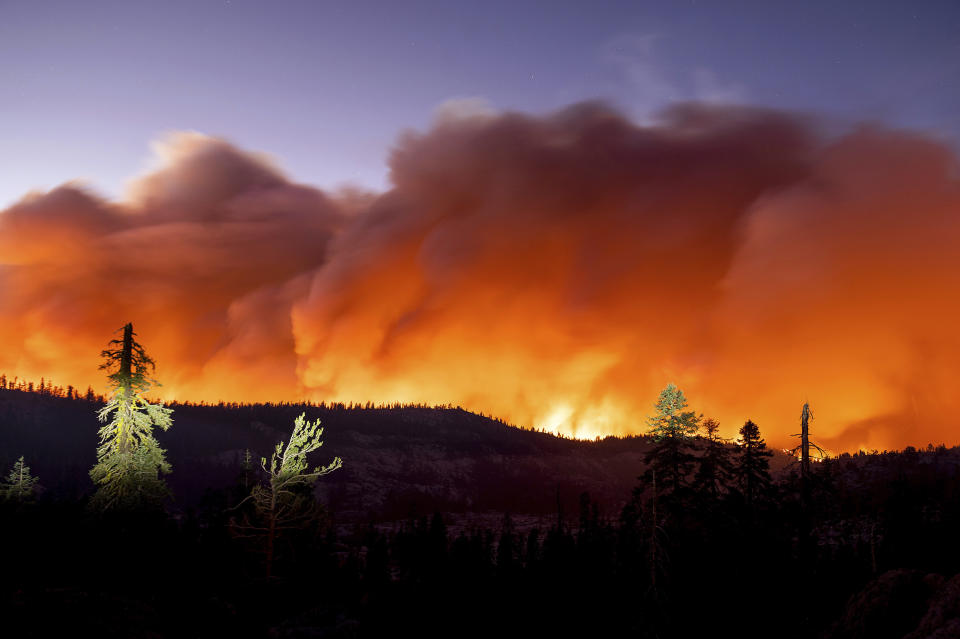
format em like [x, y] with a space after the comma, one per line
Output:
[671, 420]
[673, 429]
[20, 485]
[246, 469]
[129, 458]
[286, 501]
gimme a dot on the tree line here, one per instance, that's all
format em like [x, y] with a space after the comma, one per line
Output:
[708, 539]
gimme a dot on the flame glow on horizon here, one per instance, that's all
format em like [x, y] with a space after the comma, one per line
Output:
[556, 271]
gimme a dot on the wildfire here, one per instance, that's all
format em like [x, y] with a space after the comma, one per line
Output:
[554, 271]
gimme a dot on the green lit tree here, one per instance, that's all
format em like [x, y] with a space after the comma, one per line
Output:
[20, 485]
[669, 462]
[129, 458]
[286, 500]
[673, 429]
[246, 469]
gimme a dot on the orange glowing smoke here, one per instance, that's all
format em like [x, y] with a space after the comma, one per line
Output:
[556, 271]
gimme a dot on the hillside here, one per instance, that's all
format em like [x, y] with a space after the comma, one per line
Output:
[396, 460]
[873, 549]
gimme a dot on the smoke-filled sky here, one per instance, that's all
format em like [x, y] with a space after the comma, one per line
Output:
[556, 210]
[326, 85]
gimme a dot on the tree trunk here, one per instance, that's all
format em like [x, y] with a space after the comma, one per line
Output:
[805, 441]
[126, 357]
[653, 537]
[271, 533]
[676, 465]
[126, 373]
[805, 456]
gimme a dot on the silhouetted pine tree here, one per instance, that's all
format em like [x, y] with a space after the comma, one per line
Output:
[507, 549]
[716, 465]
[630, 559]
[753, 464]
[531, 555]
[436, 542]
[376, 566]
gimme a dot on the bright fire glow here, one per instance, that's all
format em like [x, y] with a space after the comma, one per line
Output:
[555, 271]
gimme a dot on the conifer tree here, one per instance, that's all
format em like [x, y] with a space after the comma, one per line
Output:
[673, 429]
[715, 466]
[532, 552]
[246, 469]
[507, 548]
[20, 485]
[286, 501]
[753, 468]
[129, 458]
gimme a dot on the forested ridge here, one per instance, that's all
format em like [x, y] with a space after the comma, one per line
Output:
[442, 521]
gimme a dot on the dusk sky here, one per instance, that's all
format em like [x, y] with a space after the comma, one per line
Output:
[562, 206]
[326, 87]
[564, 287]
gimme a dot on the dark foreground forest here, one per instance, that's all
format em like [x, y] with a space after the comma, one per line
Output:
[447, 523]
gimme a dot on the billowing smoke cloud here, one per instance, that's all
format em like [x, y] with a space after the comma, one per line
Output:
[556, 271]
[206, 258]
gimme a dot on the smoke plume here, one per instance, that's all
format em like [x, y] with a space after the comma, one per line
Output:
[556, 271]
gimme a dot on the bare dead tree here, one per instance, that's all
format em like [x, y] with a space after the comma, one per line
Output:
[803, 449]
